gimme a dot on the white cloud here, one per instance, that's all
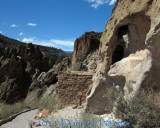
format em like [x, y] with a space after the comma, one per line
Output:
[112, 2]
[0, 32]
[97, 3]
[29, 40]
[62, 44]
[13, 26]
[20, 34]
[32, 24]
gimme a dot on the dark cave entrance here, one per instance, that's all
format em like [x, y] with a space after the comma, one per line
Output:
[118, 54]
[123, 31]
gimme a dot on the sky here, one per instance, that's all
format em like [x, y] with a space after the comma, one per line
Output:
[53, 23]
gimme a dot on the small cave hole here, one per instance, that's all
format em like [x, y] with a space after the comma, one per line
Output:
[123, 31]
[55, 79]
[17, 58]
[118, 54]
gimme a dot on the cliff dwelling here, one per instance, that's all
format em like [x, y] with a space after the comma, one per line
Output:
[127, 60]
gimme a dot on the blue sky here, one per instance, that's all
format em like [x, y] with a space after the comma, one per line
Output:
[55, 23]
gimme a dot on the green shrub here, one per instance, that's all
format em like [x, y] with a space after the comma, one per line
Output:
[143, 111]
[48, 102]
[112, 95]
[52, 61]
[88, 117]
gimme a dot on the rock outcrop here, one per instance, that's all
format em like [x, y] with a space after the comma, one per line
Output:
[63, 65]
[129, 52]
[45, 83]
[86, 47]
[84, 58]
[17, 67]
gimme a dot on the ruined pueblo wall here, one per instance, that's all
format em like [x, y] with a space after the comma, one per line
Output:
[70, 84]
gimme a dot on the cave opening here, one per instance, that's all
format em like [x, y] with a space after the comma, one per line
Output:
[123, 31]
[118, 54]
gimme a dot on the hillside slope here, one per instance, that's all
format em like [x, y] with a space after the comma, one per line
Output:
[12, 43]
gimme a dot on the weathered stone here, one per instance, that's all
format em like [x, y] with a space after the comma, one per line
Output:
[74, 106]
[85, 48]
[16, 71]
[129, 52]
[43, 85]
[69, 87]
[62, 65]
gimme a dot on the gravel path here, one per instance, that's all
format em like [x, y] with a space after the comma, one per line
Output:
[21, 121]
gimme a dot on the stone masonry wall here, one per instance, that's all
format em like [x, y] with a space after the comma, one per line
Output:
[69, 84]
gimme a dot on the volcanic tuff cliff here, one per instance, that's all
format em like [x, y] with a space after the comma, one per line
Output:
[85, 51]
[129, 52]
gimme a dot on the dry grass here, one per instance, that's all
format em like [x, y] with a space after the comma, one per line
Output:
[51, 103]
[143, 111]
[7, 110]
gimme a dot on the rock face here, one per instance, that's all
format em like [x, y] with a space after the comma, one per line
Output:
[84, 46]
[129, 54]
[83, 58]
[17, 66]
[45, 83]
[62, 65]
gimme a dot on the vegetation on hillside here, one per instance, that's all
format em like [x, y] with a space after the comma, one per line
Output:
[143, 111]
[53, 60]
[48, 102]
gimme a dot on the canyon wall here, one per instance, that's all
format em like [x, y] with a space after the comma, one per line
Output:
[85, 52]
[129, 52]
[17, 66]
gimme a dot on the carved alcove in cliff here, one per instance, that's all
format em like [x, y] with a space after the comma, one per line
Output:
[130, 36]
[122, 37]
[118, 54]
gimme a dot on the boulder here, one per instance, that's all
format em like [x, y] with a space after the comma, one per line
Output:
[43, 85]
